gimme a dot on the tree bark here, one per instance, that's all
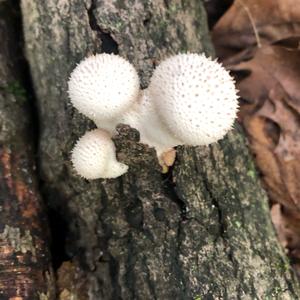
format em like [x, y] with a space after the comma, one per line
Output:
[25, 268]
[203, 230]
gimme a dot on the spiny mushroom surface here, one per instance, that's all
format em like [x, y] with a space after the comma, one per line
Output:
[94, 156]
[103, 87]
[195, 98]
[191, 100]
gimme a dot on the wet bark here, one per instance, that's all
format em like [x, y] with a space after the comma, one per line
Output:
[203, 230]
[25, 268]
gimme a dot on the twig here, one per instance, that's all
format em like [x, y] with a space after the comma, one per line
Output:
[246, 8]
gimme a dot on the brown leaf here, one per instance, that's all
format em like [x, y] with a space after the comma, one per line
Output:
[251, 22]
[287, 225]
[271, 117]
[260, 42]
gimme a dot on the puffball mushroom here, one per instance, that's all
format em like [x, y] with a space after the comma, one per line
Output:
[103, 87]
[94, 156]
[191, 100]
[194, 97]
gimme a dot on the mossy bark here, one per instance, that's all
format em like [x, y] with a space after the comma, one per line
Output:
[25, 267]
[203, 230]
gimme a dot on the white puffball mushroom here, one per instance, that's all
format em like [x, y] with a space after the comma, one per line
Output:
[103, 87]
[195, 98]
[94, 156]
[191, 100]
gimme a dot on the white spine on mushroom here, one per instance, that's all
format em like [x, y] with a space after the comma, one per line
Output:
[103, 87]
[195, 98]
[191, 100]
[94, 156]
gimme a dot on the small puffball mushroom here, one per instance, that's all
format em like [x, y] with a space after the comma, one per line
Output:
[103, 87]
[94, 156]
[195, 98]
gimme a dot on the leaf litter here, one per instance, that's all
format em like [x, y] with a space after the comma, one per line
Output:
[258, 40]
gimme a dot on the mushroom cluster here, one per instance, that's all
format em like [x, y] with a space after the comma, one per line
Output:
[191, 100]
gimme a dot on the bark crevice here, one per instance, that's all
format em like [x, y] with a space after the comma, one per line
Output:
[26, 270]
[108, 44]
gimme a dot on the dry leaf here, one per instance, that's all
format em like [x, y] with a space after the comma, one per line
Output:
[287, 225]
[248, 22]
[271, 117]
[260, 41]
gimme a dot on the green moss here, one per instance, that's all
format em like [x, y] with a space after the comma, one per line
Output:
[238, 224]
[174, 8]
[159, 34]
[119, 25]
[15, 88]
[251, 173]
[275, 293]
[282, 266]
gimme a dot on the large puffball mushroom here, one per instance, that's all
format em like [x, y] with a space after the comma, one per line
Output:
[103, 87]
[195, 98]
[94, 156]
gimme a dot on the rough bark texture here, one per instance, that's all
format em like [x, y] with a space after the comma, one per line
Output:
[202, 231]
[25, 269]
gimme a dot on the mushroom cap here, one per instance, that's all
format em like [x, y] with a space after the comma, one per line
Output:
[103, 86]
[195, 98]
[94, 156]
